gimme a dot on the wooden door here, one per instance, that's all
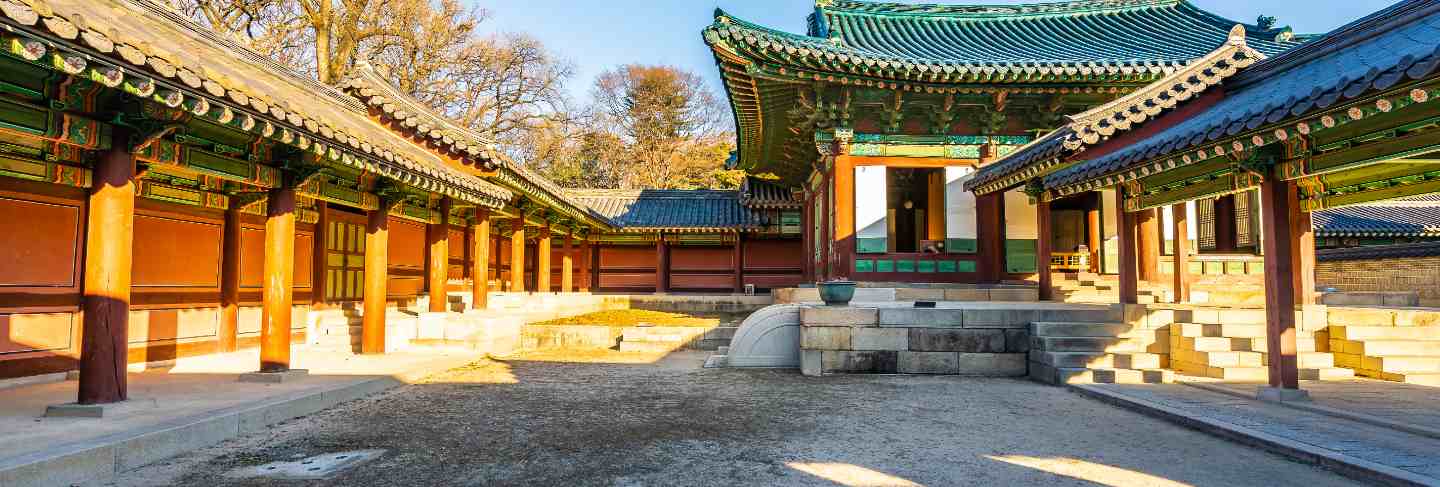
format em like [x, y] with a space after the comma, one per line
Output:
[345, 258]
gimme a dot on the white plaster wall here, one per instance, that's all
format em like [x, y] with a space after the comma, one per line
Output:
[959, 204]
[1110, 234]
[870, 202]
[1020, 217]
[1167, 222]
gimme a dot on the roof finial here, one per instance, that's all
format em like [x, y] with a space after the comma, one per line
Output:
[1265, 22]
[1237, 35]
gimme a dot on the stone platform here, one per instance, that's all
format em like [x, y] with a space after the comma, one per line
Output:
[954, 338]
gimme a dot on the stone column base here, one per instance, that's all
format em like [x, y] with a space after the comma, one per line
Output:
[275, 377]
[1276, 394]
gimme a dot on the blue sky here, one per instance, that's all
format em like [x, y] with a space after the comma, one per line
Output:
[596, 35]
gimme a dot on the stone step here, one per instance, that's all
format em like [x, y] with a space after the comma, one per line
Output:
[1220, 344]
[1220, 358]
[1424, 379]
[1362, 333]
[1326, 373]
[1132, 376]
[1380, 348]
[1073, 359]
[1140, 361]
[626, 346]
[1065, 329]
[1239, 374]
[1403, 364]
[1091, 344]
[1211, 330]
[1313, 360]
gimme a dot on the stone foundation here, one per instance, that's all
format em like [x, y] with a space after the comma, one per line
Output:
[955, 338]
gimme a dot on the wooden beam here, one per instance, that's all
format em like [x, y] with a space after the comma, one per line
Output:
[990, 223]
[1129, 251]
[1302, 235]
[662, 265]
[567, 264]
[517, 259]
[377, 278]
[480, 259]
[230, 282]
[542, 260]
[1181, 231]
[279, 281]
[109, 240]
[1275, 215]
[437, 236]
[737, 261]
[1043, 249]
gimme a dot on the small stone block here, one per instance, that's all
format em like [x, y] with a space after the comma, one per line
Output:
[919, 294]
[850, 316]
[1025, 295]
[274, 377]
[937, 363]
[993, 364]
[921, 317]
[812, 362]
[1276, 394]
[956, 340]
[861, 362]
[76, 410]
[967, 294]
[1017, 341]
[825, 338]
[998, 318]
[879, 339]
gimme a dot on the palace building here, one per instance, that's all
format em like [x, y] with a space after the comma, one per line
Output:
[166, 192]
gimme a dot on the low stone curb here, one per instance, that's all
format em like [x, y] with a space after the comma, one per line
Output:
[1329, 411]
[105, 457]
[1346, 465]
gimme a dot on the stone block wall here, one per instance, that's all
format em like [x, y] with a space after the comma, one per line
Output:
[1420, 275]
[981, 339]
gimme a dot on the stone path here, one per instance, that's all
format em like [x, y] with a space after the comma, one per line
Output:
[1324, 434]
[1408, 404]
[610, 418]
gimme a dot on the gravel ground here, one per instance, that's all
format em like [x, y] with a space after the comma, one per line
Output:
[626, 419]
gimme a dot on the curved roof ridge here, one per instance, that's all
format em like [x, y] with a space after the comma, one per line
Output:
[989, 11]
[372, 87]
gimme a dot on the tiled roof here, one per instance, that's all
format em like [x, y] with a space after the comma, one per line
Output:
[760, 193]
[1377, 52]
[1100, 123]
[670, 210]
[1413, 217]
[151, 52]
[1035, 42]
[1395, 251]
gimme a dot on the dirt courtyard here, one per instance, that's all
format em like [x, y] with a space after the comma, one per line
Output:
[608, 418]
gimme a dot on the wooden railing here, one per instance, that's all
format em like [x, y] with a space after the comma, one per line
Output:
[1070, 261]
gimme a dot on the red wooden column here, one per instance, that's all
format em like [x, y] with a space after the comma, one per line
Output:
[1148, 240]
[110, 236]
[567, 264]
[542, 260]
[807, 243]
[662, 265]
[1042, 248]
[279, 281]
[437, 235]
[1092, 238]
[1225, 233]
[1303, 232]
[517, 258]
[229, 282]
[1181, 229]
[1276, 213]
[842, 262]
[990, 221]
[480, 259]
[586, 273]
[377, 278]
[1129, 265]
[738, 260]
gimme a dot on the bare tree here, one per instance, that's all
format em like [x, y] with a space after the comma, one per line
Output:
[672, 127]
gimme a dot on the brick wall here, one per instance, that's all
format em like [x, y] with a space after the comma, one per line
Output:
[1420, 274]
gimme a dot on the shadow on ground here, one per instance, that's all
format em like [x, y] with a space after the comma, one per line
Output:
[608, 418]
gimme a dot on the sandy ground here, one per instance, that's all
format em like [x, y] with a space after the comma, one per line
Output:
[627, 419]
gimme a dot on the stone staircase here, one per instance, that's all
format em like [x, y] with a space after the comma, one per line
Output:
[339, 329]
[1229, 344]
[1409, 354]
[1106, 353]
[1085, 287]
